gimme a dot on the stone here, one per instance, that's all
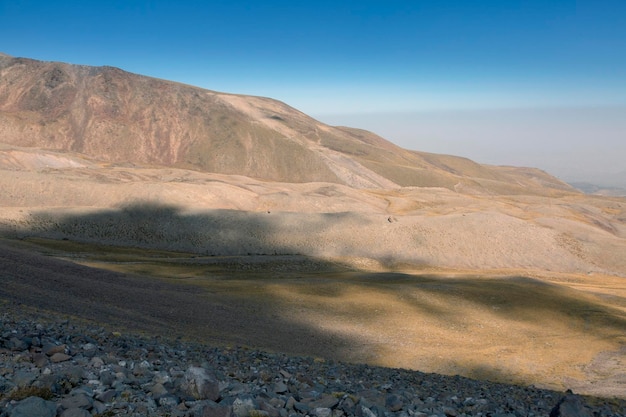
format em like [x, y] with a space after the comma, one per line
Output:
[99, 408]
[77, 401]
[75, 412]
[158, 391]
[107, 378]
[60, 357]
[450, 412]
[242, 406]
[571, 405]
[5, 385]
[393, 403]
[89, 350]
[96, 362]
[215, 410]
[34, 407]
[40, 360]
[161, 377]
[321, 412]
[325, 401]
[290, 404]
[347, 405]
[362, 411]
[83, 390]
[24, 378]
[198, 384]
[301, 407]
[309, 394]
[52, 349]
[107, 396]
[168, 400]
[280, 388]
[17, 344]
[270, 409]
[74, 373]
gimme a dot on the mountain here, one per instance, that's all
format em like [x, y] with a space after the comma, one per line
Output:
[117, 117]
[278, 229]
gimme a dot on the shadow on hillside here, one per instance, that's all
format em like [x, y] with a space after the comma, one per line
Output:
[514, 298]
[219, 232]
[241, 300]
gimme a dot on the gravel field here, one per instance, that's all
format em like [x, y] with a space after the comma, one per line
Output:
[53, 367]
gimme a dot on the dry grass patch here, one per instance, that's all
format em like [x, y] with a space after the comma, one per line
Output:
[557, 331]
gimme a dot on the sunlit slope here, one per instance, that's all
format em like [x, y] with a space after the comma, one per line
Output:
[122, 118]
[223, 215]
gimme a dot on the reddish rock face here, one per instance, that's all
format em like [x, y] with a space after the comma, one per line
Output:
[118, 117]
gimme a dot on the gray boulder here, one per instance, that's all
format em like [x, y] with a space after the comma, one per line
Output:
[75, 412]
[77, 401]
[34, 407]
[200, 385]
[570, 405]
[243, 405]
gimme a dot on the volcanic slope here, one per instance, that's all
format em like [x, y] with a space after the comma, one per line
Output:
[119, 117]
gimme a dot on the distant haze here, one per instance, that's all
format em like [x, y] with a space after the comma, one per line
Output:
[576, 144]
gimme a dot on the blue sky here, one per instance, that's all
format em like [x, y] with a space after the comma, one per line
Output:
[488, 73]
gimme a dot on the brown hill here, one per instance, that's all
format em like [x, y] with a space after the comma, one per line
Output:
[118, 117]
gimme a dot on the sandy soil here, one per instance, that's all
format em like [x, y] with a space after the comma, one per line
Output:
[514, 288]
[223, 215]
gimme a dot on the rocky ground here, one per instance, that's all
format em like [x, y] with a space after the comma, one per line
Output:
[53, 367]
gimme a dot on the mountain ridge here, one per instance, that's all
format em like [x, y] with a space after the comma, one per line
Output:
[119, 117]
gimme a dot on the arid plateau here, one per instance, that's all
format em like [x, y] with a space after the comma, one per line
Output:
[152, 206]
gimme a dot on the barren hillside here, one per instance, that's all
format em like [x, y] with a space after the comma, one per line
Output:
[118, 117]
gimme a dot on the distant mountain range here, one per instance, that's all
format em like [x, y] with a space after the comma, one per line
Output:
[116, 117]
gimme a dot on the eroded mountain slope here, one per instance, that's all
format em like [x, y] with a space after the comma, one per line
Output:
[119, 117]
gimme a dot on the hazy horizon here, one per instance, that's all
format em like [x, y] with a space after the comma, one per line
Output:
[539, 84]
[576, 144]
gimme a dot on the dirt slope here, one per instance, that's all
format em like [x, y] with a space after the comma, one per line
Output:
[118, 117]
[224, 215]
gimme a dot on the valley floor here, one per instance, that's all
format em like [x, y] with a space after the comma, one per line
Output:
[552, 330]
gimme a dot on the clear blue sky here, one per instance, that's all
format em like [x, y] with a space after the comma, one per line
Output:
[400, 68]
